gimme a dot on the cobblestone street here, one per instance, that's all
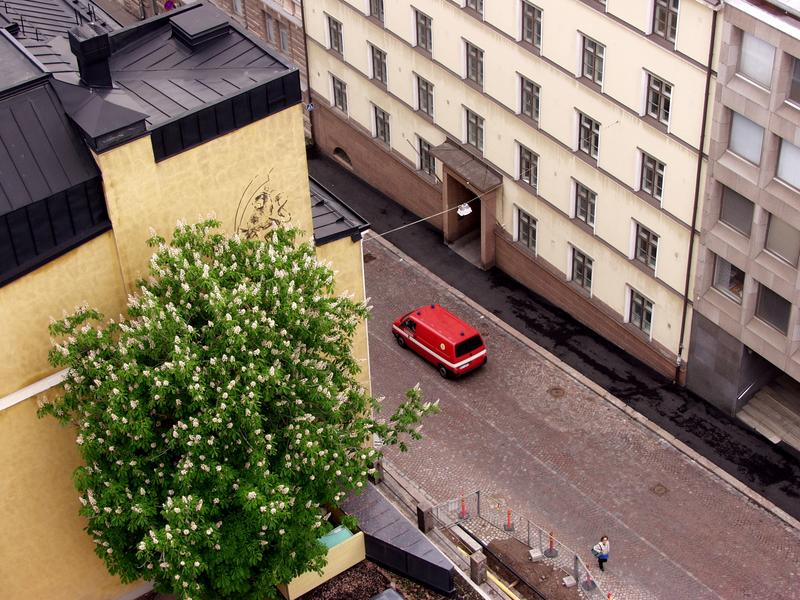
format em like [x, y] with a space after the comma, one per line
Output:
[523, 430]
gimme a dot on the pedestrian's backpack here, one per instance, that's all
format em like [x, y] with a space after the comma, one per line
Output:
[595, 552]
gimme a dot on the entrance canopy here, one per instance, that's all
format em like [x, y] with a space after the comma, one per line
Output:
[466, 166]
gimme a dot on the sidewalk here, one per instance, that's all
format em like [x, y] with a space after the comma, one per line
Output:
[573, 462]
[772, 471]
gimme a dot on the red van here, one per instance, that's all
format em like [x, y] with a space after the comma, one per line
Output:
[441, 338]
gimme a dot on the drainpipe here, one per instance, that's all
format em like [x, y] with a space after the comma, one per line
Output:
[308, 71]
[696, 192]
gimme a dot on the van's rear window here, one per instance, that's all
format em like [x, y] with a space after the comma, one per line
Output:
[469, 345]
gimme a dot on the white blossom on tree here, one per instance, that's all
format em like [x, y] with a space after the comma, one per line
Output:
[220, 418]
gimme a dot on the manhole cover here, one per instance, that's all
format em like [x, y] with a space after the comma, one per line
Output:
[556, 392]
[659, 489]
[368, 257]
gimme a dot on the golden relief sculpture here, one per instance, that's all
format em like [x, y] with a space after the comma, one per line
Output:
[260, 209]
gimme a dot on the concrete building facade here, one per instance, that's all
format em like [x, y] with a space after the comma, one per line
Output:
[573, 128]
[747, 305]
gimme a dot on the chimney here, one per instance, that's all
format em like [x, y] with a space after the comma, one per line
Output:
[91, 46]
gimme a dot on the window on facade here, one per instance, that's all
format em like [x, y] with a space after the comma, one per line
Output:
[427, 162]
[783, 240]
[526, 229]
[424, 31]
[755, 59]
[736, 211]
[646, 246]
[585, 201]
[589, 135]
[665, 19]
[728, 279]
[376, 9]
[284, 38]
[773, 309]
[382, 125]
[476, 5]
[581, 269]
[474, 63]
[238, 7]
[593, 56]
[269, 28]
[789, 164]
[528, 167]
[746, 138]
[335, 35]
[794, 90]
[529, 102]
[640, 313]
[531, 24]
[378, 64]
[339, 93]
[474, 130]
[652, 182]
[425, 96]
[659, 99]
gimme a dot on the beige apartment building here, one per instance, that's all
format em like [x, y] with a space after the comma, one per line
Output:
[574, 129]
[747, 307]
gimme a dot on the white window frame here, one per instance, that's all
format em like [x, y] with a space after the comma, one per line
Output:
[629, 290]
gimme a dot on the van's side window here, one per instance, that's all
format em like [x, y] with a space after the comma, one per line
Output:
[410, 325]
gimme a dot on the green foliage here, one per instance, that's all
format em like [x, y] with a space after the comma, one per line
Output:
[220, 415]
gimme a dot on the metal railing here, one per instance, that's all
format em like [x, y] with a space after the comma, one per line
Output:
[489, 519]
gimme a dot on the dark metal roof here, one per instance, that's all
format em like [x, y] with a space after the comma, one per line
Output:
[40, 152]
[168, 78]
[332, 218]
[470, 168]
[44, 19]
[16, 66]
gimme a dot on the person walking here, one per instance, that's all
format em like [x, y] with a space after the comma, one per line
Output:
[600, 552]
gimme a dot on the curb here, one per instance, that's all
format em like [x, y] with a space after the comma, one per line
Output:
[597, 389]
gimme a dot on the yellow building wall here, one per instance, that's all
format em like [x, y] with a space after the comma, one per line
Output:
[44, 552]
[346, 259]
[88, 274]
[245, 178]
[341, 557]
[224, 176]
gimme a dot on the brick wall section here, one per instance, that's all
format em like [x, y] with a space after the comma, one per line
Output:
[395, 178]
[551, 285]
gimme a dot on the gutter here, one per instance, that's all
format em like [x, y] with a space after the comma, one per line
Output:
[693, 230]
[310, 106]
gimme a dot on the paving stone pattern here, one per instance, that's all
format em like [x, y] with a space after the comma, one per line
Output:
[573, 463]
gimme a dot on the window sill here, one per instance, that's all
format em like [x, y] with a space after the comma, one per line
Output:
[649, 198]
[528, 120]
[661, 41]
[590, 83]
[597, 5]
[578, 288]
[375, 20]
[644, 268]
[583, 225]
[424, 51]
[652, 121]
[749, 89]
[768, 332]
[533, 49]
[739, 166]
[379, 83]
[473, 84]
[531, 189]
[422, 114]
[587, 158]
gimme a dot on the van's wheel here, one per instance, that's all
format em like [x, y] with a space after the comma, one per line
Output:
[444, 372]
[401, 341]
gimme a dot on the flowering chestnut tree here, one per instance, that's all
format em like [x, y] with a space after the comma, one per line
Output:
[221, 416]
